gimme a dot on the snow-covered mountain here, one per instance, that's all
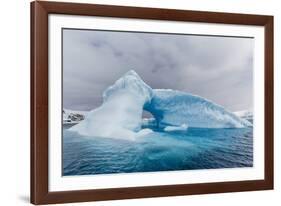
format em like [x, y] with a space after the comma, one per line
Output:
[72, 116]
[120, 115]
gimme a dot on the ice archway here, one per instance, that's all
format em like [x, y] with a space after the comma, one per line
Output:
[120, 115]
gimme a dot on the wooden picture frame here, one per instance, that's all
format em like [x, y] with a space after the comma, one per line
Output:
[40, 193]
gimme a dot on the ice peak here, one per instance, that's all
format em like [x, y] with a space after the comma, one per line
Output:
[130, 82]
[132, 73]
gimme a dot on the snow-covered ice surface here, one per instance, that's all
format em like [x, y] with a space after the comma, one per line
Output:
[120, 115]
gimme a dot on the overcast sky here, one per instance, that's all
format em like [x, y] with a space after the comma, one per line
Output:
[217, 68]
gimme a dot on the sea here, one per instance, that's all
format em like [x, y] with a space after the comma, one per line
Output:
[196, 148]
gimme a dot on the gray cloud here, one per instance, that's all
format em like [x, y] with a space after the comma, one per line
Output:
[217, 68]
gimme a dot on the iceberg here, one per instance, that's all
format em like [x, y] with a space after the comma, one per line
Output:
[183, 127]
[120, 115]
[245, 114]
[171, 107]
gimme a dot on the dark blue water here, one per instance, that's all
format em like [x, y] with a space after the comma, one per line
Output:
[159, 151]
